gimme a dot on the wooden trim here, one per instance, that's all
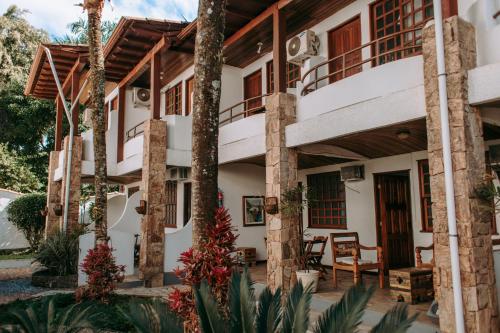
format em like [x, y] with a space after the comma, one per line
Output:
[121, 123]
[58, 129]
[187, 98]
[155, 85]
[279, 51]
[422, 197]
[450, 8]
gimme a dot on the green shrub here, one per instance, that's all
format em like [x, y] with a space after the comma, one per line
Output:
[59, 253]
[24, 213]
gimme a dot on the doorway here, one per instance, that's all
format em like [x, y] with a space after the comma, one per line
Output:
[253, 88]
[393, 218]
[341, 40]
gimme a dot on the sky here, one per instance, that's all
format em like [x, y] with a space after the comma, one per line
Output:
[54, 15]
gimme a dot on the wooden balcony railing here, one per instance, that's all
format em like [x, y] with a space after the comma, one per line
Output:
[406, 43]
[243, 109]
[134, 132]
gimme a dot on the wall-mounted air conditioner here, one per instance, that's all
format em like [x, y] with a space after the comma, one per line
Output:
[352, 173]
[303, 46]
[141, 97]
[178, 174]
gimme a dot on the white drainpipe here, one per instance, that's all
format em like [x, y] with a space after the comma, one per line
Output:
[448, 170]
[71, 132]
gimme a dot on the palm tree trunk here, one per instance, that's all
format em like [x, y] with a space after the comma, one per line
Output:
[206, 99]
[97, 80]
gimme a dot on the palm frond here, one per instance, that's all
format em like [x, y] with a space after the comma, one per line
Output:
[209, 316]
[153, 316]
[269, 311]
[345, 316]
[242, 303]
[395, 321]
[296, 312]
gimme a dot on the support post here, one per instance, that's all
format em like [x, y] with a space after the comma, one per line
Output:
[121, 123]
[283, 243]
[153, 183]
[53, 195]
[74, 182]
[279, 50]
[155, 85]
[467, 152]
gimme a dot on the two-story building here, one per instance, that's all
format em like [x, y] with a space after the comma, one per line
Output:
[339, 96]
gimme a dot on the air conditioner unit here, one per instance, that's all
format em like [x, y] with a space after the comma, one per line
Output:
[302, 46]
[352, 173]
[141, 97]
[178, 173]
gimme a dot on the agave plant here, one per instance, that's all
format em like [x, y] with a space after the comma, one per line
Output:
[269, 316]
[47, 319]
[151, 316]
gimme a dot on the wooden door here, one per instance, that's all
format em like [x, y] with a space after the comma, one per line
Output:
[341, 40]
[187, 202]
[253, 88]
[394, 225]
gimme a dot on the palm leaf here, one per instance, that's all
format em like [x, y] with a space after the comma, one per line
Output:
[296, 315]
[269, 311]
[242, 303]
[210, 319]
[152, 316]
[395, 321]
[345, 316]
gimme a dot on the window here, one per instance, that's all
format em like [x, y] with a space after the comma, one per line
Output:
[189, 93]
[392, 16]
[328, 208]
[171, 203]
[292, 76]
[173, 100]
[187, 202]
[425, 195]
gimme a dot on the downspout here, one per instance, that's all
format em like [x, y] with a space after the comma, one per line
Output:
[448, 170]
[71, 132]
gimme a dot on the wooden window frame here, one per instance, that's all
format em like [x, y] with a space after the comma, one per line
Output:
[425, 198]
[187, 214]
[340, 197]
[290, 70]
[173, 100]
[187, 98]
[171, 204]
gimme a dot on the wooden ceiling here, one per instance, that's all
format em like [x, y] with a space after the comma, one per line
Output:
[41, 83]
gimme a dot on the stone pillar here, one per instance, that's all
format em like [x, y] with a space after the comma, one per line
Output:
[281, 174]
[467, 145]
[153, 223]
[53, 195]
[74, 187]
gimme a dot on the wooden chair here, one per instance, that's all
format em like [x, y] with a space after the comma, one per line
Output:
[314, 257]
[347, 257]
[418, 256]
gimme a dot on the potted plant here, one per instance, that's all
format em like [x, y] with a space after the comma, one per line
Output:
[293, 202]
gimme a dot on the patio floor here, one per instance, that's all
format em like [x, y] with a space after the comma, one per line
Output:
[380, 303]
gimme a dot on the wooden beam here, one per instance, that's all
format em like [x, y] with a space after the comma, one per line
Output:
[255, 22]
[450, 8]
[58, 130]
[155, 85]
[139, 68]
[279, 50]
[121, 124]
[75, 89]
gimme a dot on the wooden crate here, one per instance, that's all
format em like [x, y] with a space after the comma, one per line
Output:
[411, 285]
[246, 255]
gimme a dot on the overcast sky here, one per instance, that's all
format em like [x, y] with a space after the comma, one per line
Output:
[54, 15]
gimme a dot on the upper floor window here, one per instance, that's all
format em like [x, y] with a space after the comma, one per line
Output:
[391, 18]
[173, 100]
[425, 195]
[328, 209]
[292, 76]
[189, 95]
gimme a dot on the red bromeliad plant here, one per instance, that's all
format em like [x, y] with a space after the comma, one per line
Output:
[102, 274]
[214, 263]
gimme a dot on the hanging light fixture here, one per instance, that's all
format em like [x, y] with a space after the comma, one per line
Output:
[259, 47]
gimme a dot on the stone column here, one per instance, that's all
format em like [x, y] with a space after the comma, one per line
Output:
[153, 223]
[467, 145]
[74, 187]
[53, 195]
[281, 174]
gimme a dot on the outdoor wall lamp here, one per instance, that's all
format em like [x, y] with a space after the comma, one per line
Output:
[142, 207]
[58, 209]
[403, 134]
[271, 205]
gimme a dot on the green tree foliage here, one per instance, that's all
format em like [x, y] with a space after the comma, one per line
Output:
[78, 32]
[24, 213]
[14, 174]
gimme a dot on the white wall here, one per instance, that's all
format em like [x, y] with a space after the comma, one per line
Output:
[133, 115]
[10, 236]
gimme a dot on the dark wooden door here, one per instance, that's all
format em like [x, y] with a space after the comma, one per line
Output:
[394, 226]
[253, 88]
[340, 41]
[187, 202]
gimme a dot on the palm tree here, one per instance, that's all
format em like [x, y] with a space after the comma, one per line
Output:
[78, 32]
[206, 99]
[152, 316]
[97, 80]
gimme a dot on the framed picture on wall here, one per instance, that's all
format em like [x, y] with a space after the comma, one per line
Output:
[253, 211]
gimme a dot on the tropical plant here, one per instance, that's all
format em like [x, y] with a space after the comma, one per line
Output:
[102, 274]
[342, 317]
[24, 213]
[151, 316]
[47, 319]
[78, 32]
[213, 262]
[59, 252]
